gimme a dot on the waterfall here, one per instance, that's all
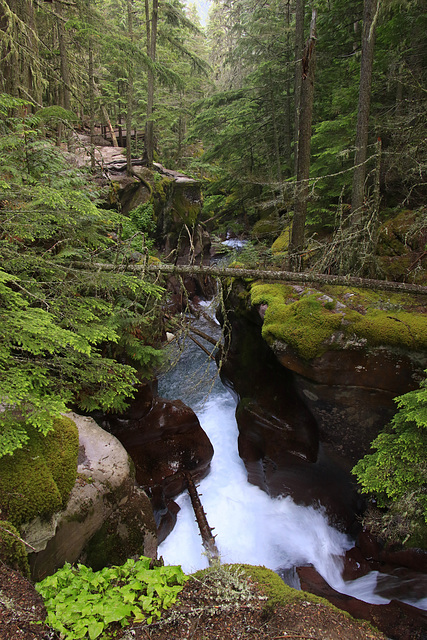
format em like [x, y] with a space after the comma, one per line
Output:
[250, 527]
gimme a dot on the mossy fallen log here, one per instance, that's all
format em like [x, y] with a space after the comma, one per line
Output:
[258, 274]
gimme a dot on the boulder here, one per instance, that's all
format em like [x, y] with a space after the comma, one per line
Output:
[351, 353]
[164, 440]
[104, 492]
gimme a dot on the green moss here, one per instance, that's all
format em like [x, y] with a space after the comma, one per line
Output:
[267, 227]
[36, 480]
[281, 243]
[12, 549]
[272, 586]
[397, 328]
[307, 322]
[305, 325]
[277, 591]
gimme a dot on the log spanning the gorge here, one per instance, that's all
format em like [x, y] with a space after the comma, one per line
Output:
[258, 274]
[205, 531]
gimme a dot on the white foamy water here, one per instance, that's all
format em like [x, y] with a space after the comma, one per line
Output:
[251, 527]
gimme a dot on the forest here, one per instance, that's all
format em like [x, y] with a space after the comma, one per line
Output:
[305, 125]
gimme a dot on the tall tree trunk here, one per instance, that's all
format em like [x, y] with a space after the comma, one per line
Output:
[275, 133]
[303, 168]
[287, 102]
[20, 74]
[129, 105]
[65, 72]
[31, 72]
[151, 51]
[91, 106]
[370, 14]
[299, 49]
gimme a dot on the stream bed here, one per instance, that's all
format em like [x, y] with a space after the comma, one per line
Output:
[251, 527]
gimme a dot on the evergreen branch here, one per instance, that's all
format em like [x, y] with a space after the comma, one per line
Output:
[177, 17]
[197, 62]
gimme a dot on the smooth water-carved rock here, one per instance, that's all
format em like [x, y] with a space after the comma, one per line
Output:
[105, 489]
[398, 620]
[163, 441]
[351, 353]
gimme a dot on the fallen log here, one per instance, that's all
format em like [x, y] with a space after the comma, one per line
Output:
[259, 274]
[208, 539]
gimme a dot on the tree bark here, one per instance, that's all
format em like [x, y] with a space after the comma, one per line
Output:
[370, 14]
[258, 274]
[299, 48]
[129, 102]
[275, 132]
[151, 51]
[287, 103]
[303, 165]
[91, 107]
[65, 75]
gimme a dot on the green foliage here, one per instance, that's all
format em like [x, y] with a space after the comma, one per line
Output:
[38, 477]
[12, 549]
[396, 473]
[82, 603]
[67, 335]
[139, 227]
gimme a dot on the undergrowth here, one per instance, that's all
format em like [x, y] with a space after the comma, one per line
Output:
[82, 603]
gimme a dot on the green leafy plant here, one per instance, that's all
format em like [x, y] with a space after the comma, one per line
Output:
[82, 603]
[396, 473]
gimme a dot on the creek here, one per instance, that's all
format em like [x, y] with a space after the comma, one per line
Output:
[251, 527]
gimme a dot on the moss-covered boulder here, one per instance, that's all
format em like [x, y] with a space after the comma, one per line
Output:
[352, 351]
[37, 479]
[281, 244]
[12, 549]
[104, 491]
[313, 322]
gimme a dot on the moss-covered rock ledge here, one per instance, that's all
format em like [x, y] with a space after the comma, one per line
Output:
[352, 351]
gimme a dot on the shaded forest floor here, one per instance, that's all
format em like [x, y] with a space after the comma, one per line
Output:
[198, 615]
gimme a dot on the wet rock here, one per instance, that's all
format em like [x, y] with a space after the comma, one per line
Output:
[355, 564]
[398, 620]
[351, 394]
[278, 436]
[163, 443]
[415, 559]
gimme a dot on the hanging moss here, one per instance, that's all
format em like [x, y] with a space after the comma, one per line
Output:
[37, 480]
[12, 549]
